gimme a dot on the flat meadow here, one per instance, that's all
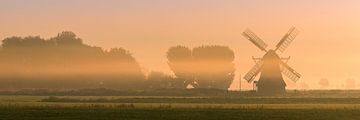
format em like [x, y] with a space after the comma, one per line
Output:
[331, 105]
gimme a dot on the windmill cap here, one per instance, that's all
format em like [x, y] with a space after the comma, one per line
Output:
[270, 55]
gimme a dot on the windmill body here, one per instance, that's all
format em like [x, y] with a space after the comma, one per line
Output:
[271, 80]
[271, 67]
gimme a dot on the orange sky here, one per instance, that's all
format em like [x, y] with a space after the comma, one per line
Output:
[327, 46]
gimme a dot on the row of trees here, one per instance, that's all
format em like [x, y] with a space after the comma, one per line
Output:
[65, 62]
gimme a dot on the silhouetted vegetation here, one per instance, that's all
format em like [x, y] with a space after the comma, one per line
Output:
[160, 80]
[203, 67]
[65, 62]
[180, 62]
[117, 92]
[324, 83]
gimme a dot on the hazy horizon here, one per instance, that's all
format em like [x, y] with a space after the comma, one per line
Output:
[326, 47]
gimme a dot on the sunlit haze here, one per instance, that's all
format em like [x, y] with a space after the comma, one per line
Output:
[326, 48]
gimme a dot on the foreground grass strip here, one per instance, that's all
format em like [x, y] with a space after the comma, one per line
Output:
[103, 112]
[218, 100]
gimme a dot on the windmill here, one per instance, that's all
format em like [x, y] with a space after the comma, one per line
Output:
[271, 66]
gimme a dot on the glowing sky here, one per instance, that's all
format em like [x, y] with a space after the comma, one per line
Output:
[327, 47]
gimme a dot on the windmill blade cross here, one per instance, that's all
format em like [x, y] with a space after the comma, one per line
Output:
[289, 72]
[255, 39]
[287, 39]
[250, 76]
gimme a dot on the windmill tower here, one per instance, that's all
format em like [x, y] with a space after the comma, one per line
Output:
[271, 66]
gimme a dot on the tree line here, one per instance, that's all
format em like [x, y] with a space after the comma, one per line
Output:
[65, 62]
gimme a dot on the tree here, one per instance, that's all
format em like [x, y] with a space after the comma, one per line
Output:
[180, 62]
[67, 38]
[324, 83]
[24, 42]
[214, 66]
[204, 67]
[350, 83]
[157, 80]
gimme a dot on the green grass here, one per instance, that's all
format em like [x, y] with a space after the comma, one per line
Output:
[179, 108]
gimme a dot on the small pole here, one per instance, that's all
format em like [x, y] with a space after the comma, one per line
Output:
[254, 86]
[240, 83]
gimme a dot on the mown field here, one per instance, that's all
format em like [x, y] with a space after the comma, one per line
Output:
[328, 106]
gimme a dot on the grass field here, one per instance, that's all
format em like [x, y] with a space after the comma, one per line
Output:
[101, 112]
[179, 108]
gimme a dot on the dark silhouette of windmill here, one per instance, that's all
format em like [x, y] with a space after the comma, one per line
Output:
[271, 66]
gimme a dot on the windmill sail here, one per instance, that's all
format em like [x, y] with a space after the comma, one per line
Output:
[289, 72]
[250, 76]
[255, 39]
[287, 39]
